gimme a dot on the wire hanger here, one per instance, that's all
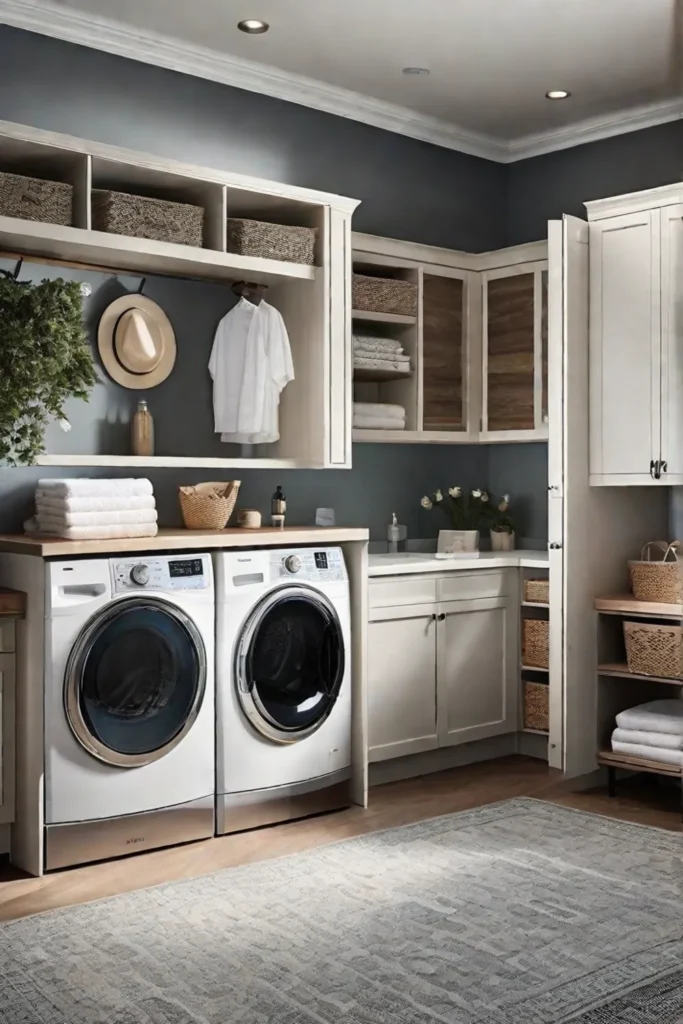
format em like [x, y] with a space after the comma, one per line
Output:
[13, 275]
[250, 290]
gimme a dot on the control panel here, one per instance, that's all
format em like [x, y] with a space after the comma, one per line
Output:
[182, 572]
[314, 564]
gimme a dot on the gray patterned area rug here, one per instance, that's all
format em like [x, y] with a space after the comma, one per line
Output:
[517, 913]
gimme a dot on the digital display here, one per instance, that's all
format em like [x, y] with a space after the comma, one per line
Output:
[188, 567]
[321, 560]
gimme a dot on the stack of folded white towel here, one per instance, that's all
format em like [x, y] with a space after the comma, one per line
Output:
[378, 416]
[379, 354]
[653, 730]
[84, 509]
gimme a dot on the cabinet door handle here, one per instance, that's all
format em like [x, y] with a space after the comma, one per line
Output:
[554, 546]
[664, 466]
[652, 469]
[442, 617]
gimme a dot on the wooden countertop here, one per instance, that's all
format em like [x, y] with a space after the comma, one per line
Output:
[12, 603]
[181, 540]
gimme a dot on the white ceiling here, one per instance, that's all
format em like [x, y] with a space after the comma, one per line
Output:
[491, 61]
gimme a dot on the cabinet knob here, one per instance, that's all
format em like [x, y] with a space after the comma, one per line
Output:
[664, 467]
[442, 617]
[554, 546]
[553, 487]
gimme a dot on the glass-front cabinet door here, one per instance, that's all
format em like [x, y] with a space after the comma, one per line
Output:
[515, 353]
[444, 353]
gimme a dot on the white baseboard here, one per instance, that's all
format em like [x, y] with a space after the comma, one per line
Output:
[440, 760]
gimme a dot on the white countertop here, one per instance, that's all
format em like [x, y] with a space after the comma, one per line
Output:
[419, 562]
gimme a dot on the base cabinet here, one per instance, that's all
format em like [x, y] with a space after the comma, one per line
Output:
[402, 682]
[476, 670]
[441, 673]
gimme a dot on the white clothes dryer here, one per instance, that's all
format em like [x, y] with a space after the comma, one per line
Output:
[129, 705]
[283, 685]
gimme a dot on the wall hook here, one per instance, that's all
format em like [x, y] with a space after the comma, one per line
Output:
[13, 275]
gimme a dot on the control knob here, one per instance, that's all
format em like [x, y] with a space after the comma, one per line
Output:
[140, 574]
[292, 563]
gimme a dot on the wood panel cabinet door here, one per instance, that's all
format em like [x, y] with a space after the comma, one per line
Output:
[515, 358]
[444, 354]
[7, 725]
[401, 682]
[476, 670]
[671, 456]
[625, 348]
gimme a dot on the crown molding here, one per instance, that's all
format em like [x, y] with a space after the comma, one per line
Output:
[48, 18]
[595, 128]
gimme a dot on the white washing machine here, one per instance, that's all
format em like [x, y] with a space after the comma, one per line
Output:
[283, 685]
[129, 708]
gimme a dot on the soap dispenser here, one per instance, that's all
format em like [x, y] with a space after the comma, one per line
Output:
[395, 534]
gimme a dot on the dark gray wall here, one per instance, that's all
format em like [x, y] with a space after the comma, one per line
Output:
[545, 187]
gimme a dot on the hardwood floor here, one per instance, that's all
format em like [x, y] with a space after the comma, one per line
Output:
[396, 804]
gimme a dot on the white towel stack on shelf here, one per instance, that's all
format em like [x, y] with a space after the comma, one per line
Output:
[653, 730]
[378, 416]
[379, 354]
[84, 509]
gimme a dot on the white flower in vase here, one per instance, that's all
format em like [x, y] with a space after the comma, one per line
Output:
[455, 492]
[476, 493]
[484, 496]
[438, 496]
[426, 502]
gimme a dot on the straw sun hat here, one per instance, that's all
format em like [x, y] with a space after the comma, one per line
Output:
[136, 342]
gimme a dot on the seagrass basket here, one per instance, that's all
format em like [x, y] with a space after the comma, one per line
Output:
[208, 506]
[661, 579]
[119, 213]
[535, 643]
[537, 591]
[654, 650]
[35, 199]
[384, 295]
[536, 706]
[271, 241]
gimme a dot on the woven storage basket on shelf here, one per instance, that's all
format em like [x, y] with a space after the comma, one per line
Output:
[140, 217]
[208, 506]
[654, 650]
[271, 241]
[384, 295]
[537, 591]
[660, 580]
[35, 199]
[536, 706]
[535, 640]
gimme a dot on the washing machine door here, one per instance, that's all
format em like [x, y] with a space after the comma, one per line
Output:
[289, 663]
[135, 681]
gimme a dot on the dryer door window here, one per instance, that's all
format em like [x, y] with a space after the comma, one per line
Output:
[290, 663]
[135, 681]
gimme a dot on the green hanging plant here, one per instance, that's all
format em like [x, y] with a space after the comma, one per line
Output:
[45, 359]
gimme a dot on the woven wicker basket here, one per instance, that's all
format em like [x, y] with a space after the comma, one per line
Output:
[271, 241]
[208, 506]
[140, 217]
[536, 706]
[535, 642]
[660, 580]
[654, 650]
[384, 295]
[35, 199]
[537, 591]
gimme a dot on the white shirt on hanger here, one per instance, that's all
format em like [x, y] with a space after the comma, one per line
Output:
[250, 364]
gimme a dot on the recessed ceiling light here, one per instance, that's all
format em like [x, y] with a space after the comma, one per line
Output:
[253, 26]
[416, 71]
[557, 94]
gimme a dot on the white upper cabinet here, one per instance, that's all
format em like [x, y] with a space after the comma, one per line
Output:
[459, 359]
[636, 339]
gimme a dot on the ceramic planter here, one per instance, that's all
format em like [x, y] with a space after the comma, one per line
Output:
[458, 544]
[502, 541]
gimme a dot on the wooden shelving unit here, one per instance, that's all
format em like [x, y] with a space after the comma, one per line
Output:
[532, 673]
[619, 689]
[383, 318]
